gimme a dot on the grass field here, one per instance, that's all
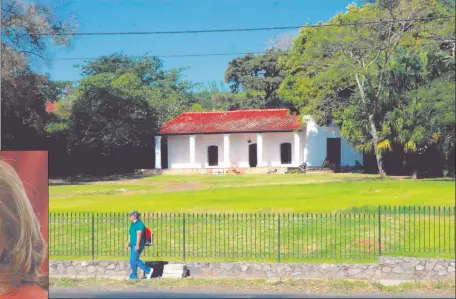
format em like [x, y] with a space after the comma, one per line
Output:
[258, 236]
[228, 217]
[250, 193]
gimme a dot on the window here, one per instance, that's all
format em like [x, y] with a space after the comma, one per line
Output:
[212, 155]
[285, 153]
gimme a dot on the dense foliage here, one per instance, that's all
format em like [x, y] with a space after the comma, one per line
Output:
[373, 80]
[389, 86]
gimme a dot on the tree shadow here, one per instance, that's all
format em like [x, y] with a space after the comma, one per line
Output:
[87, 179]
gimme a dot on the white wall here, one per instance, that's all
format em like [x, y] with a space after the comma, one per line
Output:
[179, 156]
[239, 151]
[312, 146]
[315, 144]
[272, 143]
[178, 151]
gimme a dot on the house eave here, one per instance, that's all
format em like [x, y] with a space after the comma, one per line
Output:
[227, 132]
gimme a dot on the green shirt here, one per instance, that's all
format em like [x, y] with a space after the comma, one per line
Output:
[133, 231]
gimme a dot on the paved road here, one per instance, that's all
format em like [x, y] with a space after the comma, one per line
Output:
[71, 293]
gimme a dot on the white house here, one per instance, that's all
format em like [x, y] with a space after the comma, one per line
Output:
[251, 138]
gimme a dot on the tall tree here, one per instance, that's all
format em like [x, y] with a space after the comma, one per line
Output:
[24, 93]
[257, 78]
[149, 69]
[122, 101]
[109, 113]
[423, 81]
[165, 90]
[356, 59]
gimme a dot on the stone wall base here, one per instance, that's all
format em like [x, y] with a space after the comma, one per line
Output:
[415, 269]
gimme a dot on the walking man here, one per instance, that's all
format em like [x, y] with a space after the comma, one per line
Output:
[136, 245]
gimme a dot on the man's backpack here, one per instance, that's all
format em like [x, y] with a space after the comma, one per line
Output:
[148, 237]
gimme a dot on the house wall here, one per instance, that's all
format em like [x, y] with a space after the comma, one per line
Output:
[312, 147]
[179, 156]
[178, 151]
[315, 146]
[239, 151]
[272, 143]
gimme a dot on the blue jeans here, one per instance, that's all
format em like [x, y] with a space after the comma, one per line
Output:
[135, 262]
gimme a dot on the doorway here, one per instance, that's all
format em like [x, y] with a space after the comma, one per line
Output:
[333, 151]
[164, 152]
[285, 153]
[212, 155]
[253, 159]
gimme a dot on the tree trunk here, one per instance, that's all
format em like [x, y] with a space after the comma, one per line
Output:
[378, 155]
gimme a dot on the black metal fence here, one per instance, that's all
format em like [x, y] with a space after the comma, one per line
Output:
[407, 231]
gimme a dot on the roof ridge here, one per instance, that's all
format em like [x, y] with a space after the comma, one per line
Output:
[233, 111]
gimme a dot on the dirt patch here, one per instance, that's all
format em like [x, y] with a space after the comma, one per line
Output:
[122, 182]
[183, 187]
[367, 242]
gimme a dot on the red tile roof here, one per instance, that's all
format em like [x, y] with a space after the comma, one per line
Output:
[50, 107]
[264, 120]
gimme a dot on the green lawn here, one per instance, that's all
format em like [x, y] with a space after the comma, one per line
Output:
[250, 193]
[228, 218]
[256, 236]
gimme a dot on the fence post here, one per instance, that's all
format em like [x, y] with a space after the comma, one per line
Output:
[379, 234]
[278, 246]
[183, 243]
[93, 237]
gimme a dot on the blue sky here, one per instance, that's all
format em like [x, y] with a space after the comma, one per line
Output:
[155, 15]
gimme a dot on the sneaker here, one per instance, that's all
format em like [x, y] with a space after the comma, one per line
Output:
[149, 275]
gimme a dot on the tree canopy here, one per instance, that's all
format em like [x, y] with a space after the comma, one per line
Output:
[110, 113]
[388, 85]
[123, 100]
[346, 74]
[25, 93]
[256, 78]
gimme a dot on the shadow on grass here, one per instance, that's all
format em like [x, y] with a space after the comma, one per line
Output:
[447, 179]
[87, 179]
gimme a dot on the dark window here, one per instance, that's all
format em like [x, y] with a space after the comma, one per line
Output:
[285, 153]
[253, 159]
[212, 155]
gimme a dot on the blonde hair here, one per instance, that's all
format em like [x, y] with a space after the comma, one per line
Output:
[25, 247]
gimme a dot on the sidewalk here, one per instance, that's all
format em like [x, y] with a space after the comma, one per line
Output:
[73, 293]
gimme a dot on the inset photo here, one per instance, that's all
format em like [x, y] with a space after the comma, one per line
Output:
[24, 224]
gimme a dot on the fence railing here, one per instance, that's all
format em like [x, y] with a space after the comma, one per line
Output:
[291, 237]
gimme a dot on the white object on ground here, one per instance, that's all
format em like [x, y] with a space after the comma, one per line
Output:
[175, 271]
